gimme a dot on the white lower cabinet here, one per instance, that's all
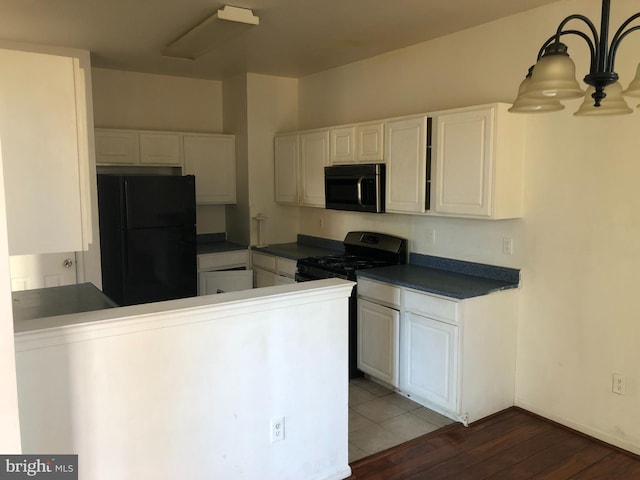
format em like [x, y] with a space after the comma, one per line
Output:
[263, 278]
[456, 357]
[270, 270]
[378, 341]
[224, 272]
[224, 281]
[429, 360]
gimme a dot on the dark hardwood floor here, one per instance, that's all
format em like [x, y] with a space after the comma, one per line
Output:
[510, 445]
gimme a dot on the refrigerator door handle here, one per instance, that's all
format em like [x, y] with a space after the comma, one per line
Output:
[125, 203]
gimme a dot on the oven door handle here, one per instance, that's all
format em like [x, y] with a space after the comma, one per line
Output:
[359, 190]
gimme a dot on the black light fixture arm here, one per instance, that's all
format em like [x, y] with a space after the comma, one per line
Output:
[556, 77]
[555, 38]
[595, 43]
[620, 34]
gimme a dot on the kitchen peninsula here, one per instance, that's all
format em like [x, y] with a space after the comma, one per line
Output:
[179, 379]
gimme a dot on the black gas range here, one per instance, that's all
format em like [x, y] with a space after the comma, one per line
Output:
[361, 250]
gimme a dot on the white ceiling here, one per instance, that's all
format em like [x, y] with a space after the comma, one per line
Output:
[295, 37]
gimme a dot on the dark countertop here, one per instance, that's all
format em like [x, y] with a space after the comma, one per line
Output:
[216, 243]
[219, 247]
[54, 301]
[453, 278]
[295, 251]
[306, 246]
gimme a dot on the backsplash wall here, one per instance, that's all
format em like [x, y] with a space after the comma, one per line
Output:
[464, 239]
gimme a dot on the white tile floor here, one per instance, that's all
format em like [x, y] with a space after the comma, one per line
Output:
[380, 419]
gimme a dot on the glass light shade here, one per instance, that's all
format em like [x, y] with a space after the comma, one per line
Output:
[634, 87]
[612, 104]
[554, 76]
[533, 105]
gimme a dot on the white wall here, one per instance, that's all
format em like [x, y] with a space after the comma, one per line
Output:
[191, 392]
[272, 107]
[161, 102]
[9, 420]
[156, 102]
[577, 244]
[236, 121]
[256, 107]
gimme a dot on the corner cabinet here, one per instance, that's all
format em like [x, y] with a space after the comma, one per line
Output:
[270, 270]
[300, 159]
[212, 159]
[286, 169]
[314, 156]
[45, 152]
[224, 272]
[478, 168]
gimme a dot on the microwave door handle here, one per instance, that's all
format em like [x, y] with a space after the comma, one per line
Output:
[359, 190]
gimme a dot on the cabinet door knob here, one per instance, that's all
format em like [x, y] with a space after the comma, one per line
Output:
[68, 263]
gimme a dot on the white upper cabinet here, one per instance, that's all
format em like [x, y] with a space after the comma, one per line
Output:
[478, 169]
[286, 168]
[138, 147]
[314, 156]
[160, 148]
[362, 143]
[406, 158]
[45, 152]
[212, 159]
[465, 162]
[119, 147]
[343, 148]
[370, 143]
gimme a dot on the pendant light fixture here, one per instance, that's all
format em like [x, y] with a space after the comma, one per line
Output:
[524, 104]
[553, 79]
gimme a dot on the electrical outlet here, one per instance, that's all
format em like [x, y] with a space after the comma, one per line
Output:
[619, 384]
[430, 236]
[277, 429]
[507, 246]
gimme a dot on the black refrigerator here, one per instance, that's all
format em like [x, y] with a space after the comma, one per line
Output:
[147, 237]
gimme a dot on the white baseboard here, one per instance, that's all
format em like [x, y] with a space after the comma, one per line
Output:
[340, 474]
[567, 422]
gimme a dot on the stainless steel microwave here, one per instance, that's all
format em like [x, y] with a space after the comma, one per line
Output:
[357, 188]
